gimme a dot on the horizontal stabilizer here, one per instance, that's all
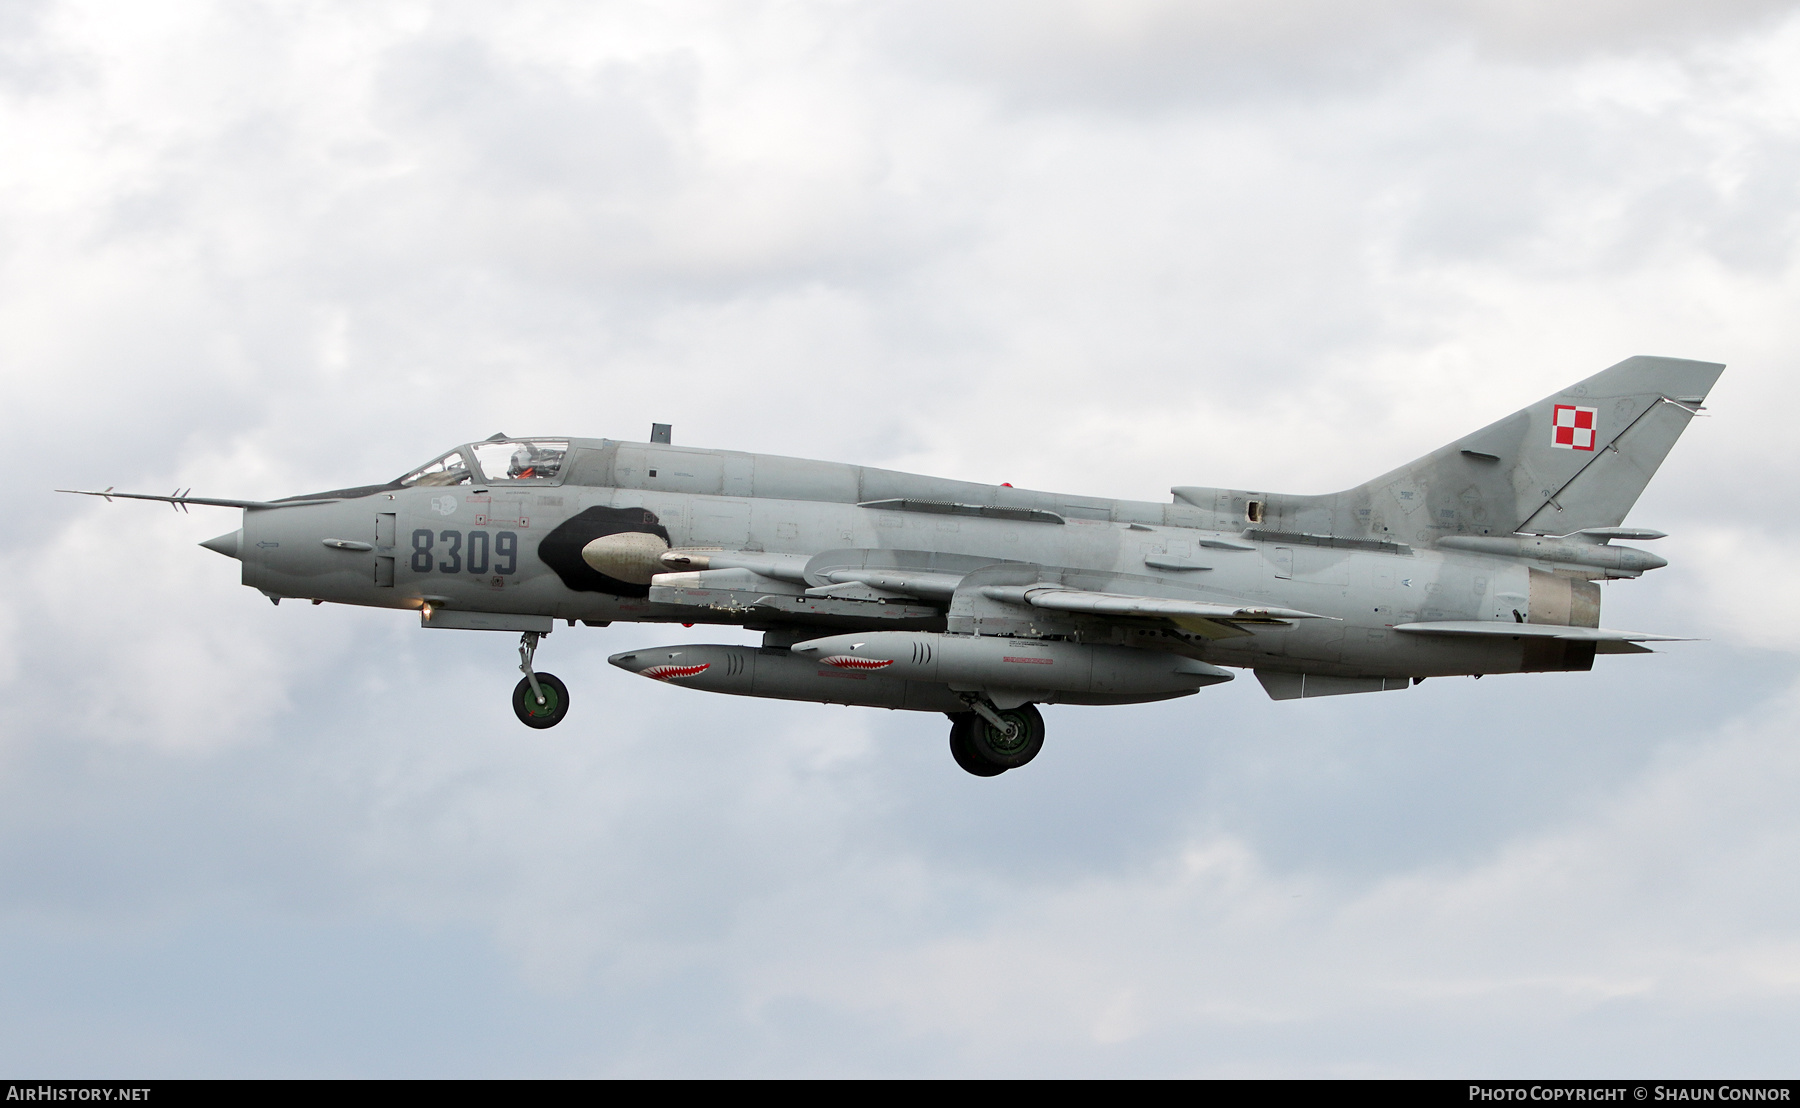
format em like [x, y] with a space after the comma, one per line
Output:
[1497, 628]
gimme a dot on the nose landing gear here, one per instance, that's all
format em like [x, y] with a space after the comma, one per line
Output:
[987, 741]
[539, 699]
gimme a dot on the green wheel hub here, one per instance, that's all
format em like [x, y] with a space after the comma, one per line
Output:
[551, 711]
[547, 708]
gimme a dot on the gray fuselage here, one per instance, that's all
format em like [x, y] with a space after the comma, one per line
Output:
[480, 546]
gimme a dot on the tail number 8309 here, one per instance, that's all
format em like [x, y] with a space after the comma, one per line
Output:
[475, 552]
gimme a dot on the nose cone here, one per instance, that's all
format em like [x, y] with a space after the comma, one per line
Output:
[666, 665]
[632, 661]
[628, 556]
[1640, 560]
[226, 544]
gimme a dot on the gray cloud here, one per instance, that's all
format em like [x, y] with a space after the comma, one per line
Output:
[1160, 55]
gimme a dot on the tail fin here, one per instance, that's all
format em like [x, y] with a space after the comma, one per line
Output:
[1572, 461]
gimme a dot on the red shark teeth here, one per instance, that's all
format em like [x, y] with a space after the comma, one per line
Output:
[670, 673]
[845, 661]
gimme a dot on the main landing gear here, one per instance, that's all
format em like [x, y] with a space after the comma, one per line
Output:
[987, 741]
[539, 699]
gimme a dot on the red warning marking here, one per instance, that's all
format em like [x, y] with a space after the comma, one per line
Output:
[670, 673]
[1033, 661]
[845, 661]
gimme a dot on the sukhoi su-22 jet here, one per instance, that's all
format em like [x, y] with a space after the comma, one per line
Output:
[892, 590]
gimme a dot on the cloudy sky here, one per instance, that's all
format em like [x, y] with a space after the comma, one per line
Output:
[1103, 247]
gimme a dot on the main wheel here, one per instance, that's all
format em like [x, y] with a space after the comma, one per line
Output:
[551, 711]
[962, 746]
[1011, 748]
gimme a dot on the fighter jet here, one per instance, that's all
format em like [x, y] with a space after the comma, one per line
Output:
[893, 590]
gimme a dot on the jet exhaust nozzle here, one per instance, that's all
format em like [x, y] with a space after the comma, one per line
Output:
[229, 544]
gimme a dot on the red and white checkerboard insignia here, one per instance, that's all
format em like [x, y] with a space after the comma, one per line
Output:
[1573, 428]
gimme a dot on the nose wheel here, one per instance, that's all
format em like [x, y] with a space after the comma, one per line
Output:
[539, 699]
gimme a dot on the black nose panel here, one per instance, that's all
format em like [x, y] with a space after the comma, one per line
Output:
[561, 548]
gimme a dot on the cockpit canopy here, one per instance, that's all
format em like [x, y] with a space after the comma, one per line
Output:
[496, 461]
